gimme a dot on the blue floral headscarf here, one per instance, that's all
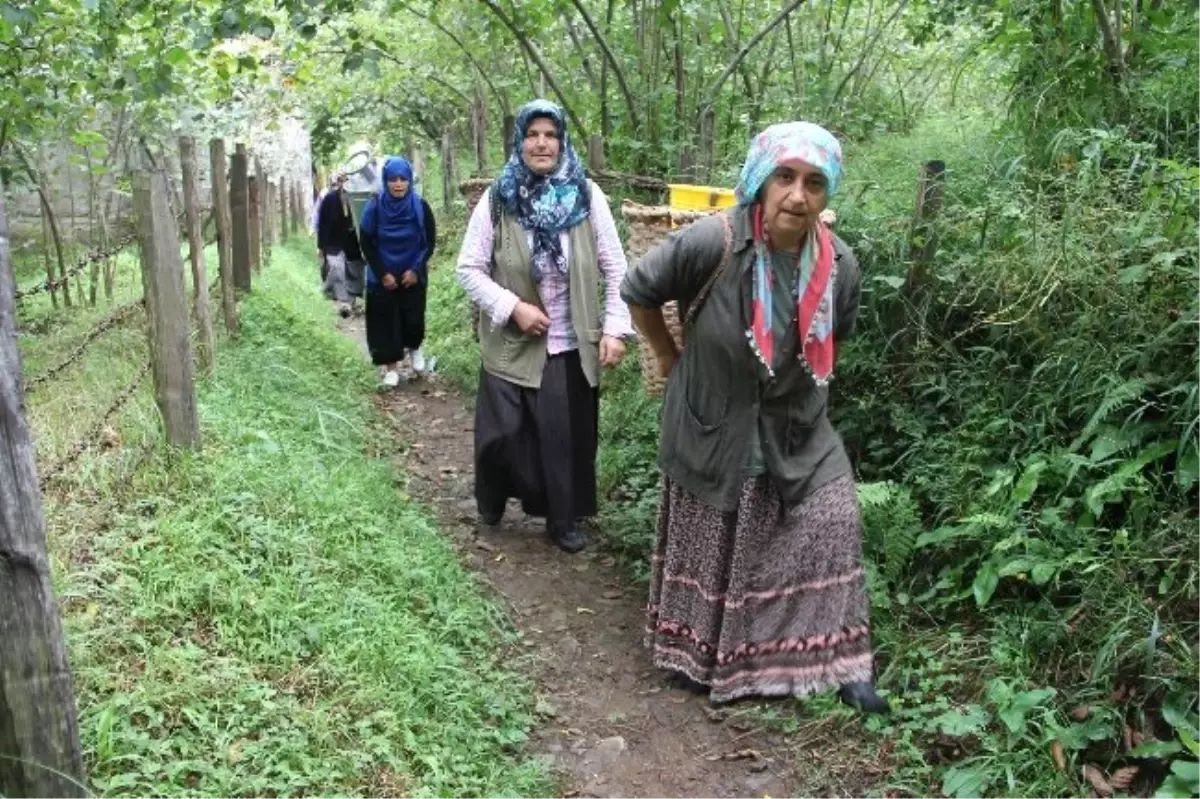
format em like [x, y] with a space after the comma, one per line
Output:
[544, 204]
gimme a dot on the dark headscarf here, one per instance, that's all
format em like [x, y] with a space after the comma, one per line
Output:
[544, 204]
[397, 224]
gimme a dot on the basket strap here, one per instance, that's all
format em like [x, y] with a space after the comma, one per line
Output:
[726, 257]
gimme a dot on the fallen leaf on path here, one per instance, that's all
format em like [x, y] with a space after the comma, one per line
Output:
[588, 611]
[1060, 757]
[500, 557]
[714, 715]
[484, 545]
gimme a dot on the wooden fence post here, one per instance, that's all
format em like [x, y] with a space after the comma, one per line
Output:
[39, 727]
[166, 308]
[255, 224]
[294, 207]
[595, 153]
[239, 208]
[283, 209]
[221, 212]
[191, 207]
[264, 214]
[924, 240]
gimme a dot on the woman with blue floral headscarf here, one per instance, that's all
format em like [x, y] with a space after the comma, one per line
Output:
[539, 243]
[757, 586]
[398, 234]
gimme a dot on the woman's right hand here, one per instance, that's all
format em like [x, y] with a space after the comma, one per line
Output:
[389, 281]
[530, 319]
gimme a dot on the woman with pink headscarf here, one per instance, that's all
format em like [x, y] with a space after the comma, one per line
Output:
[757, 586]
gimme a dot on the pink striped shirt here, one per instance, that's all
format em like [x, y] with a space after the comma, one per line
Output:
[475, 275]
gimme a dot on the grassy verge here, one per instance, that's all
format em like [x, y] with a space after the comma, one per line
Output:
[272, 616]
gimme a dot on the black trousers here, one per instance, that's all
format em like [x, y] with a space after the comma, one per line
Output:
[395, 321]
[538, 445]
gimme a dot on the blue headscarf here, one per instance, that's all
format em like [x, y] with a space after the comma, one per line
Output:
[396, 225]
[544, 204]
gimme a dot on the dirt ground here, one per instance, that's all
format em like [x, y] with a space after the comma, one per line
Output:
[611, 724]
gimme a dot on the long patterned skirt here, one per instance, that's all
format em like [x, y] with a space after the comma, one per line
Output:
[763, 601]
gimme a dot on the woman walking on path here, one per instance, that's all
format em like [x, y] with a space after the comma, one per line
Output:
[757, 586]
[398, 234]
[337, 249]
[539, 243]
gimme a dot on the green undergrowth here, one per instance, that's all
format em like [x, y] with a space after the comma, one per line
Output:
[272, 615]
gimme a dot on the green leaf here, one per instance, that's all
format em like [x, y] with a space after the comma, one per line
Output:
[1187, 470]
[1186, 769]
[986, 580]
[1176, 712]
[1023, 491]
[965, 782]
[1014, 715]
[1175, 787]
[1159, 749]
[957, 723]
[890, 280]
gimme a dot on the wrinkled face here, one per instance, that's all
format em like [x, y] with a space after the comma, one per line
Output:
[541, 147]
[793, 199]
[398, 186]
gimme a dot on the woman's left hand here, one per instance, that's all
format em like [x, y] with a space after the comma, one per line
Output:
[408, 279]
[612, 350]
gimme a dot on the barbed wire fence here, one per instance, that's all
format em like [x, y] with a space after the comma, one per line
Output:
[265, 214]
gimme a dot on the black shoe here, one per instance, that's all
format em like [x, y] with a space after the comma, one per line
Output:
[571, 541]
[862, 697]
[491, 519]
[681, 682]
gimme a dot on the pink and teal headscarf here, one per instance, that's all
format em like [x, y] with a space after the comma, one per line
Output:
[778, 145]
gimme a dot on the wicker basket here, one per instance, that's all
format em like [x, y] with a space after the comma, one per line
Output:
[472, 190]
[648, 225]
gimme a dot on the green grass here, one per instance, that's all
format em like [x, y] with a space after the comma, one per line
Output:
[272, 615]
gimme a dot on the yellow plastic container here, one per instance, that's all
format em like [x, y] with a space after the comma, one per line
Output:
[685, 197]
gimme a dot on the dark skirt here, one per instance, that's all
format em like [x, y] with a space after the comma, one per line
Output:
[395, 322]
[763, 601]
[538, 445]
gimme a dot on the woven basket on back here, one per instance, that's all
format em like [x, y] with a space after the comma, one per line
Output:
[648, 225]
[472, 190]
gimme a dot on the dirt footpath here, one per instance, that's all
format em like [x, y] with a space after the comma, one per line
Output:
[611, 723]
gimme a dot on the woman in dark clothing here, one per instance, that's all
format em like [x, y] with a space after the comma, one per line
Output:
[539, 244]
[337, 248]
[757, 586]
[398, 234]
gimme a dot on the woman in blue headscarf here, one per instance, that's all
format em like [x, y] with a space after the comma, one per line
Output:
[398, 234]
[757, 586]
[540, 242]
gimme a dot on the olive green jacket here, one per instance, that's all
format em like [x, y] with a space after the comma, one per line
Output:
[516, 357]
[715, 400]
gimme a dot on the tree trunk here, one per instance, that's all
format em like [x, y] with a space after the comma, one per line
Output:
[39, 728]
[448, 171]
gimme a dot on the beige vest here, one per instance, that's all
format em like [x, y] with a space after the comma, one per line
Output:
[510, 354]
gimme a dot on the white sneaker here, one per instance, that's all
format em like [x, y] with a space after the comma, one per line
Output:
[418, 361]
[391, 378]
